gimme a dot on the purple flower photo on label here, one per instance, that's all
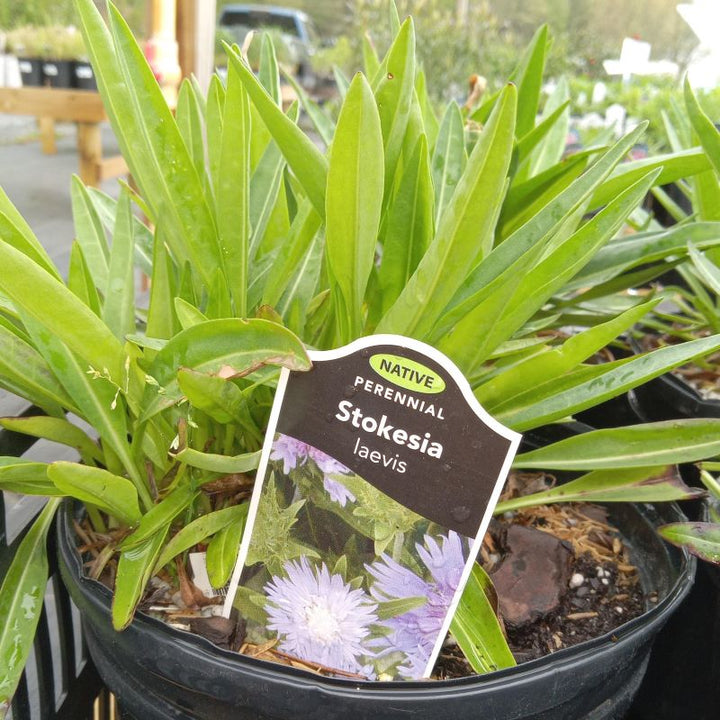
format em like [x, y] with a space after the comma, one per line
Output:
[415, 632]
[319, 617]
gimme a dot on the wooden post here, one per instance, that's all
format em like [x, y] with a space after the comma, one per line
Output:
[196, 39]
[90, 151]
[161, 49]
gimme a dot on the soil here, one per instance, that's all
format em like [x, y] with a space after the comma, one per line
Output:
[602, 592]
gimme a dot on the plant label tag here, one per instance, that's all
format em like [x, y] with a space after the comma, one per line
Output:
[377, 481]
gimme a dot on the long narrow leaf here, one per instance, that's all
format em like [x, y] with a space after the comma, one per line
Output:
[465, 234]
[21, 601]
[354, 202]
[660, 443]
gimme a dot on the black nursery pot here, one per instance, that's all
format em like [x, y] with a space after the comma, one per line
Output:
[83, 76]
[31, 71]
[158, 672]
[58, 73]
[682, 680]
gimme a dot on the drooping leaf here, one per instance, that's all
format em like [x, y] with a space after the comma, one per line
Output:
[700, 538]
[212, 462]
[233, 346]
[114, 494]
[21, 601]
[641, 484]
[56, 430]
[26, 477]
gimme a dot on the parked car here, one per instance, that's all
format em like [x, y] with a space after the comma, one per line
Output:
[294, 26]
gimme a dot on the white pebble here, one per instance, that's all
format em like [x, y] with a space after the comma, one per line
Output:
[619, 610]
[577, 580]
[605, 581]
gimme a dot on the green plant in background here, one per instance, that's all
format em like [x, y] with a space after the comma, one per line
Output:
[473, 236]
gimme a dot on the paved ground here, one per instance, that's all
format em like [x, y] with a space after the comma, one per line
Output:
[39, 185]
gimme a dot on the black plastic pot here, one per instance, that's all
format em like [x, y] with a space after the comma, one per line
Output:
[84, 76]
[58, 73]
[158, 672]
[31, 71]
[683, 676]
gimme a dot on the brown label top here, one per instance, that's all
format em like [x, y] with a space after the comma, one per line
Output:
[402, 420]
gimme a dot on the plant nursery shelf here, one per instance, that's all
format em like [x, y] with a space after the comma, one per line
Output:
[84, 108]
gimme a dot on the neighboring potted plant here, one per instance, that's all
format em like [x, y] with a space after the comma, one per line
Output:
[262, 244]
[26, 44]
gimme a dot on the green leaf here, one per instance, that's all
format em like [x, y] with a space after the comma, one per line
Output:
[215, 463]
[21, 602]
[160, 516]
[476, 628]
[703, 126]
[11, 235]
[540, 282]
[465, 234]
[674, 166]
[221, 399]
[47, 300]
[199, 530]
[660, 443]
[188, 114]
[232, 345]
[135, 568]
[97, 399]
[449, 158]
[232, 191]
[354, 202]
[268, 73]
[541, 229]
[394, 93]
[80, 281]
[324, 125]
[547, 404]
[23, 371]
[548, 125]
[56, 430]
[222, 552]
[302, 232]
[90, 234]
[188, 315]
[545, 368]
[149, 139]
[708, 271]
[528, 76]
[552, 148]
[371, 62]
[119, 308]
[642, 484]
[115, 495]
[25, 477]
[162, 320]
[410, 226]
[641, 248]
[700, 538]
[303, 157]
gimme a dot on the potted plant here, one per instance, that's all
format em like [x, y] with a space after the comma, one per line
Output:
[26, 44]
[262, 244]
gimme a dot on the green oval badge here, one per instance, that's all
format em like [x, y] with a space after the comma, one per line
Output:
[407, 373]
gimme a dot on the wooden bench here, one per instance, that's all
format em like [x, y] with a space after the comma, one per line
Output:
[84, 108]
